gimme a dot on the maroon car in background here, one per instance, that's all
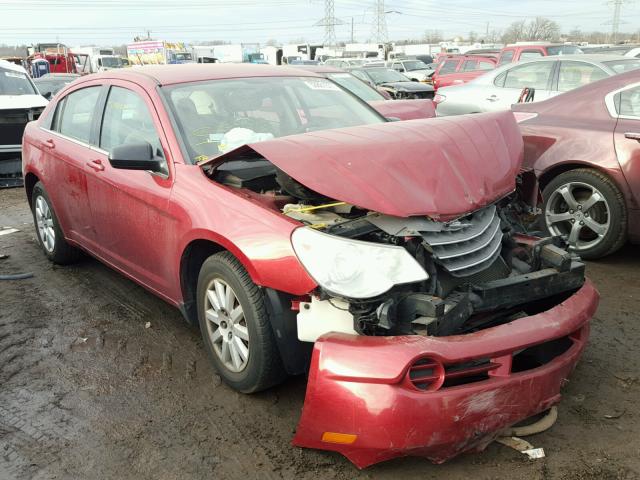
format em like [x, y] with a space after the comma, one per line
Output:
[584, 148]
[458, 69]
[305, 233]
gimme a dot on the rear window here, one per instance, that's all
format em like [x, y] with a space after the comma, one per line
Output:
[563, 50]
[621, 66]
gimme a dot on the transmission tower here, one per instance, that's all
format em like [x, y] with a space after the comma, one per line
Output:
[380, 25]
[615, 21]
[329, 22]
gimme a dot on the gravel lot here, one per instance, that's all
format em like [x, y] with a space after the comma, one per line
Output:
[86, 391]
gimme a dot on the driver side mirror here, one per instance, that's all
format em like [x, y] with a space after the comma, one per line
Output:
[136, 156]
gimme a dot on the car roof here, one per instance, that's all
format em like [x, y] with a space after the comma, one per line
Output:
[197, 72]
[12, 66]
[319, 68]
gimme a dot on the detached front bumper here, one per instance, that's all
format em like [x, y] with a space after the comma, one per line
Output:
[377, 398]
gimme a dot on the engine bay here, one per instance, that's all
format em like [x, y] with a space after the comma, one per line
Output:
[483, 268]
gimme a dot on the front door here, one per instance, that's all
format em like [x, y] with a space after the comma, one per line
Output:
[129, 207]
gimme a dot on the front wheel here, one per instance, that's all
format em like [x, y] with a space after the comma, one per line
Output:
[235, 326]
[588, 210]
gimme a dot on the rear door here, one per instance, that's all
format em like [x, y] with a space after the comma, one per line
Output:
[129, 207]
[67, 145]
[573, 74]
[626, 104]
[508, 86]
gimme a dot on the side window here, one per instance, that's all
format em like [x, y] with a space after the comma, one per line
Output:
[449, 66]
[575, 74]
[484, 65]
[469, 65]
[506, 57]
[76, 115]
[628, 102]
[127, 120]
[532, 75]
[529, 54]
[397, 67]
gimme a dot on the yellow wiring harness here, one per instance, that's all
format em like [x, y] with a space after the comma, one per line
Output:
[317, 207]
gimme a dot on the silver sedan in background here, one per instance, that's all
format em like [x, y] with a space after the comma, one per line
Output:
[500, 88]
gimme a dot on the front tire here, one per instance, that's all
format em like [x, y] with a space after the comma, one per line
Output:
[587, 209]
[235, 326]
[48, 231]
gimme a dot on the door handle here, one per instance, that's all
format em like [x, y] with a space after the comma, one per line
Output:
[632, 136]
[96, 165]
[49, 143]
[492, 98]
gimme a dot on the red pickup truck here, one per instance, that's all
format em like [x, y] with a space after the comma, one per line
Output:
[455, 69]
[527, 51]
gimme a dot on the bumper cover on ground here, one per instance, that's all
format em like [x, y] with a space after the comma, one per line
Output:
[358, 387]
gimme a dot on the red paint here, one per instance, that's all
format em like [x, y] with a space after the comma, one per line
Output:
[575, 129]
[356, 386]
[405, 109]
[441, 167]
[460, 69]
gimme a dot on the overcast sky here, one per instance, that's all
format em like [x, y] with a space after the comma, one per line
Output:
[112, 22]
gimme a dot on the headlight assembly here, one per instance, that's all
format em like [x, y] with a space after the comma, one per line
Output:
[353, 268]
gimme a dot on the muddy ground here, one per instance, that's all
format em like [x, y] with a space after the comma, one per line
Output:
[86, 391]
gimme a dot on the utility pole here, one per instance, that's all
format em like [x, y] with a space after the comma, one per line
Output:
[329, 23]
[380, 25]
[351, 29]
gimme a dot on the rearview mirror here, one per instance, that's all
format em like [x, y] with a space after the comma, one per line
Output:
[135, 156]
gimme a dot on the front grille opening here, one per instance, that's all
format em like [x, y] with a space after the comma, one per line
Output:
[425, 374]
[468, 372]
[539, 355]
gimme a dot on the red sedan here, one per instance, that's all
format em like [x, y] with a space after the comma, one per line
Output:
[584, 147]
[305, 233]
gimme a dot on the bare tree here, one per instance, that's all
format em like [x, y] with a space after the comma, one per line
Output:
[433, 36]
[538, 29]
[472, 37]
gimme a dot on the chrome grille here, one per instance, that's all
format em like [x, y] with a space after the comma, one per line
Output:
[469, 245]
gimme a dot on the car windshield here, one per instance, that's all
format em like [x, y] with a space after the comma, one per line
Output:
[110, 62]
[417, 65]
[621, 66]
[216, 116]
[355, 86]
[15, 83]
[563, 50]
[386, 75]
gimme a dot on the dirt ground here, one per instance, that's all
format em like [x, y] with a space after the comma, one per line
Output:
[86, 391]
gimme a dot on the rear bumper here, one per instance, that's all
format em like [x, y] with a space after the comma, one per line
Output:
[358, 387]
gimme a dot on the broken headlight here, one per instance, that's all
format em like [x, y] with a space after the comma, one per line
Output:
[353, 268]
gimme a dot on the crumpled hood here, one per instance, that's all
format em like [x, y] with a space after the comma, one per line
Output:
[409, 86]
[438, 167]
[10, 102]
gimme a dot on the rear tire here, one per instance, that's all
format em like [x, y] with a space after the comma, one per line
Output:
[48, 231]
[235, 326]
[587, 208]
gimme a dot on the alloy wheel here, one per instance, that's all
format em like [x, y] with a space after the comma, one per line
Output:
[227, 325]
[579, 213]
[44, 222]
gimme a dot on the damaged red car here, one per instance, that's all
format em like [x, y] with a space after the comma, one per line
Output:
[304, 232]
